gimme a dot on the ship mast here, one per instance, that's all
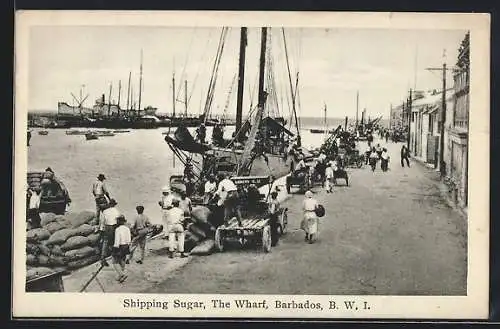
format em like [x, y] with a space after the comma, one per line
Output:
[128, 90]
[241, 79]
[140, 85]
[119, 91]
[109, 99]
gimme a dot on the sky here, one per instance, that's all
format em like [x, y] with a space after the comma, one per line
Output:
[332, 65]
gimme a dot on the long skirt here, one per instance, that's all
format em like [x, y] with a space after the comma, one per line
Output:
[310, 223]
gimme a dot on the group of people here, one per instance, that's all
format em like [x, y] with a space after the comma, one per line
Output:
[116, 235]
[374, 154]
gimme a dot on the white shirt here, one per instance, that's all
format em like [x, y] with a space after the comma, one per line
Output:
[385, 155]
[309, 204]
[210, 187]
[175, 216]
[109, 215]
[226, 185]
[34, 200]
[122, 236]
[322, 157]
[300, 165]
[329, 172]
[166, 200]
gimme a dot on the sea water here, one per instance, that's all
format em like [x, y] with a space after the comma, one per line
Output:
[136, 165]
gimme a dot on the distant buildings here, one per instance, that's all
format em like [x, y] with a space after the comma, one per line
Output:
[426, 128]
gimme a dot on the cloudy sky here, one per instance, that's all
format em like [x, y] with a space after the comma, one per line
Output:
[333, 64]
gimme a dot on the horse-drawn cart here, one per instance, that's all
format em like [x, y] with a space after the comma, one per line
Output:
[258, 227]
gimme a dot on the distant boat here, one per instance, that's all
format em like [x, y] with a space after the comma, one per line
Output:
[76, 132]
[43, 132]
[91, 136]
[104, 133]
[121, 131]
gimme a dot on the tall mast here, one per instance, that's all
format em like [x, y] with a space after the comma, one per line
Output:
[173, 94]
[241, 78]
[293, 94]
[185, 98]
[357, 109]
[128, 90]
[109, 98]
[119, 91]
[262, 96]
[140, 85]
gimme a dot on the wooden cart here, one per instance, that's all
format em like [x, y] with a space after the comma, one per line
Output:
[51, 282]
[255, 231]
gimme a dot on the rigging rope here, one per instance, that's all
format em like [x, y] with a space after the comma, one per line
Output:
[200, 62]
[185, 64]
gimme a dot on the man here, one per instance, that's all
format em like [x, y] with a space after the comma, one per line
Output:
[166, 204]
[210, 189]
[100, 193]
[34, 207]
[185, 205]
[176, 229]
[386, 135]
[107, 226]
[329, 176]
[228, 195]
[121, 247]
[384, 160]
[300, 166]
[201, 133]
[405, 154]
[141, 225]
[274, 208]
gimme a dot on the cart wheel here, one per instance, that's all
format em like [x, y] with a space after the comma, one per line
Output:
[219, 243]
[266, 238]
[284, 223]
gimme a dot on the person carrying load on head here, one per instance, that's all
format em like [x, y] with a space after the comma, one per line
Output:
[107, 226]
[228, 196]
[310, 221]
[101, 194]
[166, 204]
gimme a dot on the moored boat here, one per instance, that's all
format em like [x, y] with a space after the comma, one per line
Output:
[91, 136]
[54, 195]
[43, 132]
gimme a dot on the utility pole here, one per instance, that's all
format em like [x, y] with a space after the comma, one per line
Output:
[410, 114]
[442, 165]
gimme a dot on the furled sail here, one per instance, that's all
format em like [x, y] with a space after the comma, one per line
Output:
[184, 141]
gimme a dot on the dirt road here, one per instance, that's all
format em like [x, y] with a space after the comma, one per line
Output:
[386, 234]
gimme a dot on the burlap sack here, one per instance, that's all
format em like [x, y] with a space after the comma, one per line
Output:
[53, 227]
[78, 219]
[76, 254]
[75, 242]
[37, 235]
[47, 218]
[61, 236]
[84, 230]
[31, 260]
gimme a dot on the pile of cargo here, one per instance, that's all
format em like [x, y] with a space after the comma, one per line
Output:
[200, 231]
[71, 241]
[63, 242]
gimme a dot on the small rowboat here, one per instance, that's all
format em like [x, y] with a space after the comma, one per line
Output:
[91, 136]
[43, 132]
[121, 131]
[76, 132]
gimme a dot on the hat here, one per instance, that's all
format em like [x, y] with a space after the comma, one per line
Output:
[49, 169]
[101, 176]
[166, 189]
[121, 219]
[309, 194]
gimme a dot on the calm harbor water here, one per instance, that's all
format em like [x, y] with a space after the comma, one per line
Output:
[136, 164]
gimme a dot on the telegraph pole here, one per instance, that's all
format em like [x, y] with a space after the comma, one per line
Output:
[410, 114]
[442, 166]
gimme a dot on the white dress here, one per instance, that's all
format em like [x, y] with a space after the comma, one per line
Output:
[310, 221]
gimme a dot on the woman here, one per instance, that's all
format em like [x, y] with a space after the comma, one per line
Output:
[310, 221]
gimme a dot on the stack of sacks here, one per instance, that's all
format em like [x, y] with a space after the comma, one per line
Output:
[200, 228]
[64, 242]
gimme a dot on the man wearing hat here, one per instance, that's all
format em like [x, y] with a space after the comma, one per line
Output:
[228, 194]
[107, 226]
[100, 193]
[166, 204]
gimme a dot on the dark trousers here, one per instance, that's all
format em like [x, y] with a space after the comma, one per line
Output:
[407, 161]
[34, 216]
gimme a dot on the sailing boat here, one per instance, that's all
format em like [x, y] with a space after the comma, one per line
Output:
[264, 140]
